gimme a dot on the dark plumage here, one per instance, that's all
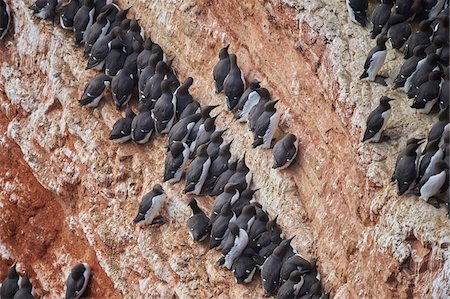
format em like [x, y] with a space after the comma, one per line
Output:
[223, 179]
[122, 86]
[221, 69]
[142, 125]
[266, 126]
[220, 226]
[121, 130]
[377, 121]
[419, 38]
[198, 222]
[97, 30]
[357, 10]
[428, 93]
[375, 60]
[25, 291]
[93, 92]
[183, 96]
[380, 16]
[83, 20]
[115, 59]
[234, 84]
[77, 281]
[152, 90]
[409, 66]
[285, 151]
[10, 285]
[180, 131]
[67, 14]
[176, 159]
[398, 31]
[163, 112]
[197, 171]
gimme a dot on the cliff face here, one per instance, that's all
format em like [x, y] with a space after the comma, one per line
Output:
[68, 194]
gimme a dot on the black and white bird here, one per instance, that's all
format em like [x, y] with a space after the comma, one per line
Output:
[245, 198]
[285, 151]
[191, 109]
[131, 60]
[293, 263]
[77, 281]
[152, 90]
[198, 223]
[229, 195]
[244, 267]
[183, 96]
[262, 97]
[444, 92]
[246, 218]
[259, 225]
[144, 57]
[204, 134]
[234, 84]
[134, 34]
[68, 13]
[377, 121]
[94, 90]
[221, 69]
[291, 287]
[205, 112]
[122, 86]
[242, 177]
[440, 128]
[253, 86]
[357, 11]
[218, 166]
[142, 125]
[375, 60]
[101, 48]
[98, 30]
[270, 271]
[420, 75]
[181, 130]
[266, 126]
[10, 285]
[428, 93]
[163, 112]
[398, 31]
[215, 143]
[223, 179]
[380, 16]
[220, 226]
[176, 160]
[409, 67]
[115, 59]
[119, 17]
[5, 18]
[44, 9]
[406, 167]
[416, 144]
[26, 289]
[434, 183]
[419, 38]
[121, 130]
[252, 100]
[431, 155]
[83, 20]
[197, 171]
[239, 239]
[147, 73]
[150, 206]
[407, 8]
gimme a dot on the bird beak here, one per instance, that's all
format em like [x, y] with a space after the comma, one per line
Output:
[227, 46]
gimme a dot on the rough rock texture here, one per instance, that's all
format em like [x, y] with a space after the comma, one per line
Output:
[68, 194]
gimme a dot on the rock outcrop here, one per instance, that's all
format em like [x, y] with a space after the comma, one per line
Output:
[67, 194]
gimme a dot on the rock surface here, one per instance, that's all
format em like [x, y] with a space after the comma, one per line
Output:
[67, 194]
